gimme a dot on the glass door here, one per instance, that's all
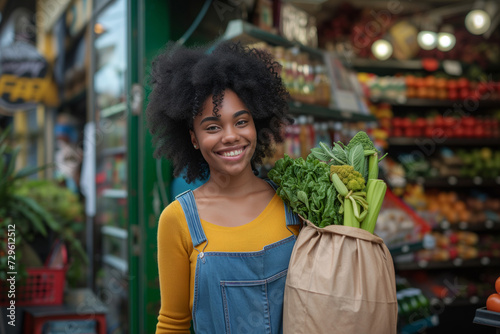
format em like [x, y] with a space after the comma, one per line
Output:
[110, 113]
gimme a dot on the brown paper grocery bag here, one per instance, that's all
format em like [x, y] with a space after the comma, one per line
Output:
[340, 280]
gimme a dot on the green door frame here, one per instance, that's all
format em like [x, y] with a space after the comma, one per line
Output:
[149, 30]
[152, 23]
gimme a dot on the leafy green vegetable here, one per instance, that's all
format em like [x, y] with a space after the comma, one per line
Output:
[305, 187]
[331, 186]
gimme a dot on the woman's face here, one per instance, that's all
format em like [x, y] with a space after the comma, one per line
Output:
[227, 142]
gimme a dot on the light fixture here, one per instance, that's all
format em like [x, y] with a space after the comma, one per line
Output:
[427, 40]
[99, 29]
[477, 22]
[446, 39]
[382, 49]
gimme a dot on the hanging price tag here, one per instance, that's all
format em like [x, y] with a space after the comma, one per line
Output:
[452, 180]
[445, 224]
[452, 67]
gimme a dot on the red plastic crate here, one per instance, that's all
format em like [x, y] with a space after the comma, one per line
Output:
[43, 286]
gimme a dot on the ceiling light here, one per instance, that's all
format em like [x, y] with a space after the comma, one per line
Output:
[427, 40]
[477, 22]
[382, 49]
[446, 41]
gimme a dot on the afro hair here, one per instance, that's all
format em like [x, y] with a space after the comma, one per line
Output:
[183, 78]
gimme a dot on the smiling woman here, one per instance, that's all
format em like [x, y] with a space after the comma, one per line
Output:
[217, 113]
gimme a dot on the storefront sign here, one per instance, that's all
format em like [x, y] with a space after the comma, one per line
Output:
[297, 25]
[24, 78]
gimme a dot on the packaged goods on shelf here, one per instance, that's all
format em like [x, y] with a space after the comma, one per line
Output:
[398, 224]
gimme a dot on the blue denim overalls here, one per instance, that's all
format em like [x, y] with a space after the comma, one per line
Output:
[239, 292]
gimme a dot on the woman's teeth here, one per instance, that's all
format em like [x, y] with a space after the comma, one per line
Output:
[232, 153]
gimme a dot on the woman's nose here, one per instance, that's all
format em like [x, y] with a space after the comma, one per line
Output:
[230, 135]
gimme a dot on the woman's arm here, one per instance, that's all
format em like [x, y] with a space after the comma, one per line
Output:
[173, 269]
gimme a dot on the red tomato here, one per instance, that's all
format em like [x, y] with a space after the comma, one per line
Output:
[497, 285]
[493, 302]
[441, 83]
[463, 83]
[464, 93]
[410, 80]
[452, 84]
[453, 94]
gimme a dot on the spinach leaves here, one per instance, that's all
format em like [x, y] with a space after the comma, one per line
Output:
[306, 188]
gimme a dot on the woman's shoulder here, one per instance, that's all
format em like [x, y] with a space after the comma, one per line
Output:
[172, 224]
[173, 216]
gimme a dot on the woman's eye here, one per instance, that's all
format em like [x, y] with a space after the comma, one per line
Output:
[212, 128]
[242, 122]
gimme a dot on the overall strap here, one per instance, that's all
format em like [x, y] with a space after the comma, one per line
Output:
[291, 218]
[188, 205]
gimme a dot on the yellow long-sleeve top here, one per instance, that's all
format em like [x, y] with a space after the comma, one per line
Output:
[177, 258]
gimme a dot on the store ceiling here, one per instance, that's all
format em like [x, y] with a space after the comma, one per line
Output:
[453, 10]
[317, 7]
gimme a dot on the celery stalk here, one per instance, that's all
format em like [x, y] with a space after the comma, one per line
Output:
[375, 197]
[349, 219]
[373, 167]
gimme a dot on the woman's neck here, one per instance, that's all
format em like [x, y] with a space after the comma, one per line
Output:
[234, 185]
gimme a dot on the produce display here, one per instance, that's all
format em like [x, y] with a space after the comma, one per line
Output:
[336, 185]
[466, 163]
[437, 126]
[472, 208]
[402, 87]
[493, 301]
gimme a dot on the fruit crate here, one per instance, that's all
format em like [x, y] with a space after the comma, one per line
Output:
[42, 286]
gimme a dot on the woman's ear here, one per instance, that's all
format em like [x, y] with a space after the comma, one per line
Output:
[194, 141]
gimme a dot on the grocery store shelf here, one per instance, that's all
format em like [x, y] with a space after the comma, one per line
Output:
[113, 151]
[394, 65]
[418, 325]
[463, 301]
[428, 242]
[248, 33]
[114, 193]
[299, 108]
[430, 103]
[456, 182]
[425, 142]
[456, 263]
[362, 64]
[486, 226]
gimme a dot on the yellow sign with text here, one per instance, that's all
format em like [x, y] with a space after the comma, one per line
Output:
[18, 90]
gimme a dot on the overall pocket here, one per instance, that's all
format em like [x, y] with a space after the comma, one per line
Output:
[254, 306]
